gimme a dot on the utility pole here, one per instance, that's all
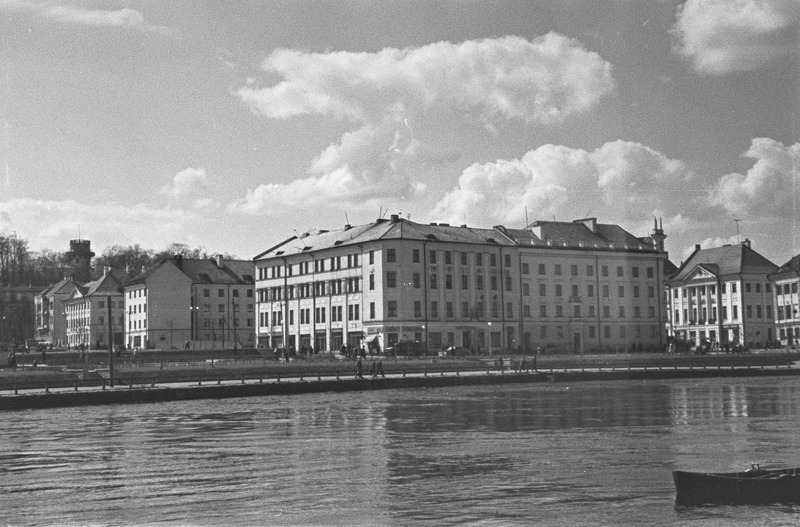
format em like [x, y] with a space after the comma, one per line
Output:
[110, 344]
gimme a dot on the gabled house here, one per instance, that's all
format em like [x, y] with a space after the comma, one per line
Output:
[94, 311]
[722, 296]
[49, 312]
[787, 315]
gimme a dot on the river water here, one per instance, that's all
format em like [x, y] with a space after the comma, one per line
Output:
[596, 453]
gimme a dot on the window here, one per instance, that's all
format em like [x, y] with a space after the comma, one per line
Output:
[449, 310]
[464, 309]
[371, 282]
[604, 270]
[206, 292]
[637, 312]
[417, 308]
[747, 287]
[621, 313]
[493, 282]
[492, 260]
[607, 332]
[221, 292]
[479, 282]
[221, 308]
[621, 291]
[448, 258]
[391, 279]
[558, 289]
[559, 310]
[543, 310]
[526, 289]
[464, 281]
[607, 311]
[620, 271]
[371, 257]
[557, 269]
[507, 260]
[479, 259]
[434, 309]
[434, 282]
[432, 256]
[605, 291]
[651, 291]
[573, 270]
[391, 308]
[415, 255]
[635, 290]
[576, 310]
[543, 332]
[525, 268]
[589, 270]
[635, 271]
[542, 269]
[417, 278]
[542, 289]
[590, 290]
[448, 280]
[650, 272]
[391, 254]
[463, 258]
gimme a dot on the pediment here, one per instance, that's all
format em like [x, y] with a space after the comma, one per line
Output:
[702, 272]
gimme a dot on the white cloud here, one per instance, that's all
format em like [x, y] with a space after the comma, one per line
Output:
[492, 80]
[770, 189]
[543, 80]
[723, 36]
[188, 183]
[49, 223]
[621, 180]
[93, 17]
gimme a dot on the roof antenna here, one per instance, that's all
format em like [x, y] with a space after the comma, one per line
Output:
[737, 230]
[346, 221]
[526, 218]
[299, 237]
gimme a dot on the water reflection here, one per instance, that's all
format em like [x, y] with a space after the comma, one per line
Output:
[591, 453]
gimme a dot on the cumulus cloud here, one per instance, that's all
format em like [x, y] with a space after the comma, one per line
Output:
[627, 180]
[723, 36]
[492, 80]
[188, 183]
[50, 222]
[769, 189]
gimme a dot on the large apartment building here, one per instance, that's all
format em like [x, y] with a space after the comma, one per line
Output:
[572, 285]
[723, 295]
[787, 307]
[202, 303]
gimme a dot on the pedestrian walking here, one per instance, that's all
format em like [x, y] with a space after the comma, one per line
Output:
[373, 370]
[380, 367]
[359, 369]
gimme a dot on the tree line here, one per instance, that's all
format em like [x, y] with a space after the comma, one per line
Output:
[21, 266]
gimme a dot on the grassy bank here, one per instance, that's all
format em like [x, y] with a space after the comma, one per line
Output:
[153, 367]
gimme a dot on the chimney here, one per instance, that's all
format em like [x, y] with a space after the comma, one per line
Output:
[219, 260]
[746, 242]
[696, 247]
[106, 270]
[395, 218]
[347, 226]
[178, 261]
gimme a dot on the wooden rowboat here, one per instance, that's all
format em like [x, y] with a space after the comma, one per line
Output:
[756, 486]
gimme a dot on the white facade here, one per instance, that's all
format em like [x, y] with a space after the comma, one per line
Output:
[485, 290]
[722, 296]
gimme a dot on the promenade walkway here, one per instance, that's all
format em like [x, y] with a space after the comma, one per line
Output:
[141, 387]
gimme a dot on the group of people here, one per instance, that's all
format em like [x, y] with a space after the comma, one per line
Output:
[374, 370]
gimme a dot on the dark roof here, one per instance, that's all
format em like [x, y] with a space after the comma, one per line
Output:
[792, 267]
[541, 233]
[669, 268]
[726, 260]
[204, 271]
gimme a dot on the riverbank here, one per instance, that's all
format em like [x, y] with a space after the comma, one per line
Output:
[156, 382]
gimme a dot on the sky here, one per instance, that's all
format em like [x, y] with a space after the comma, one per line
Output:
[234, 125]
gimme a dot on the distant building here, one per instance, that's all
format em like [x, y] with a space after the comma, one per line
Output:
[723, 295]
[577, 286]
[787, 318]
[16, 315]
[79, 258]
[94, 312]
[50, 314]
[205, 303]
